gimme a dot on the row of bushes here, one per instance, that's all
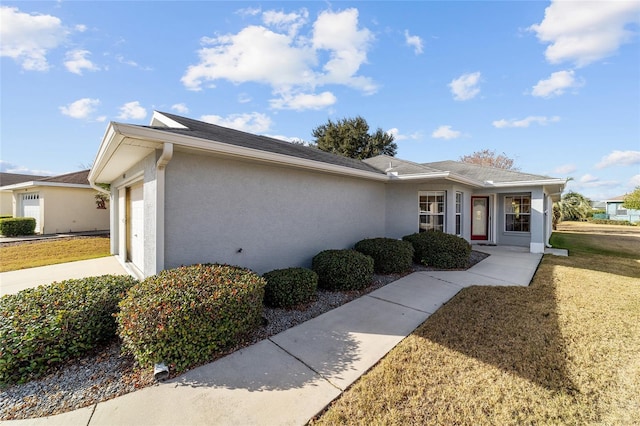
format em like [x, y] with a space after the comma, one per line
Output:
[13, 226]
[612, 222]
[44, 326]
[184, 316]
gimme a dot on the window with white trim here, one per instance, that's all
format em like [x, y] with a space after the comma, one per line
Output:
[458, 213]
[517, 213]
[432, 210]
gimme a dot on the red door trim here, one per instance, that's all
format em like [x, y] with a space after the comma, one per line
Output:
[485, 236]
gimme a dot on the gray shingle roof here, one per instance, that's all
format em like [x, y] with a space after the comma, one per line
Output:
[79, 178]
[484, 173]
[13, 178]
[388, 164]
[212, 132]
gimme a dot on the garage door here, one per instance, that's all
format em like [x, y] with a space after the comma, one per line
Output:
[31, 207]
[135, 226]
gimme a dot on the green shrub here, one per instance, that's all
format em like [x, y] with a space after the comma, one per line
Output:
[343, 269]
[12, 226]
[440, 250]
[44, 326]
[289, 287]
[611, 222]
[183, 316]
[5, 216]
[389, 255]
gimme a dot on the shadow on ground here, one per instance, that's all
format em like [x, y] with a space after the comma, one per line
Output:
[513, 328]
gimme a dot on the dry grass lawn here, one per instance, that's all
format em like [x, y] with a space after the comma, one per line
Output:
[564, 350]
[41, 253]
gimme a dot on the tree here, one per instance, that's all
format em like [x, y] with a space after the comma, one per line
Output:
[573, 206]
[632, 200]
[489, 158]
[350, 137]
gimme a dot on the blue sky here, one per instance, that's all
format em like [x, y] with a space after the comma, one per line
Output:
[554, 85]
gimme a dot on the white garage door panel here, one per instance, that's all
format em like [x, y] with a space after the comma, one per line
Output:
[31, 207]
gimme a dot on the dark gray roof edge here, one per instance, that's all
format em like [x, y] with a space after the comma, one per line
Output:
[214, 132]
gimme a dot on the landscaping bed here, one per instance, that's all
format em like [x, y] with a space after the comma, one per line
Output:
[105, 373]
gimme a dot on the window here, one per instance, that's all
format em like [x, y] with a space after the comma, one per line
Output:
[517, 210]
[458, 213]
[432, 210]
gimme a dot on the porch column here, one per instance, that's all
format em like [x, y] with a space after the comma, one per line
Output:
[537, 221]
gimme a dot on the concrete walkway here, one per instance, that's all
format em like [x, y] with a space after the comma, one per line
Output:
[290, 377]
[13, 281]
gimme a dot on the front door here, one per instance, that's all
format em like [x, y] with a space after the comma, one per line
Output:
[135, 225]
[479, 218]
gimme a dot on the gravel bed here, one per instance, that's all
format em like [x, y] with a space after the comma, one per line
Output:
[106, 373]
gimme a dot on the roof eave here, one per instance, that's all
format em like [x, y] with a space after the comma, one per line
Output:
[118, 134]
[439, 175]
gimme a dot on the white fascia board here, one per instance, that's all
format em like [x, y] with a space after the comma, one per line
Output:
[526, 183]
[109, 144]
[159, 118]
[190, 142]
[34, 184]
[440, 175]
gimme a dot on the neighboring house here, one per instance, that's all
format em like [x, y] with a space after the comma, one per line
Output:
[64, 203]
[6, 196]
[184, 191]
[615, 211]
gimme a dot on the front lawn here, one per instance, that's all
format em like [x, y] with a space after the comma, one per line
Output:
[42, 253]
[562, 351]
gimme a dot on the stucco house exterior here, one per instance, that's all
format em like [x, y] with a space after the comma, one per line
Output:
[184, 191]
[64, 203]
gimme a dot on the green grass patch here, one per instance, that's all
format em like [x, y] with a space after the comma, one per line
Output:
[562, 351]
[42, 253]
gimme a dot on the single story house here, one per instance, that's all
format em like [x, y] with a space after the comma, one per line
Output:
[6, 196]
[64, 203]
[615, 211]
[184, 191]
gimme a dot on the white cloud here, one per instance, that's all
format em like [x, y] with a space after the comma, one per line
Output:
[556, 84]
[289, 22]
[244, 98]
[254, 122]
[7, 167]
[80, 109]
[525, 122]
[76, 61]
[585, 31]
[445, 132]
[290, 64]
[395, 132]
[588, 178]
[181, 108]
[28, 38]
[465, 87]
[619, 158]
[132, 111]
[634, 181]
[565, 169]
[413, 41]
[304, 101]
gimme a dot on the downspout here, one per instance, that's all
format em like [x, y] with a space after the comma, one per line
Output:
[161, 164]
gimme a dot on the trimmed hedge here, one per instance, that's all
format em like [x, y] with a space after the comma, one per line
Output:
[183, 316]
[440, 250]
[289, 287]
[13, 226]
[47, 325]
[343, 269]
[612, 222]
[389, 255]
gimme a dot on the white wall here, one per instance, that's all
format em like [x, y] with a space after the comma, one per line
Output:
[279, 217]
